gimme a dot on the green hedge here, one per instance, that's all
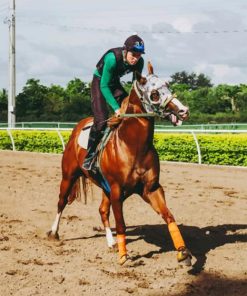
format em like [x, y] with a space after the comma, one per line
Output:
[36, 141]
[224, 149]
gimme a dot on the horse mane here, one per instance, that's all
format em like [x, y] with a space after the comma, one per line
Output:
[127, 105]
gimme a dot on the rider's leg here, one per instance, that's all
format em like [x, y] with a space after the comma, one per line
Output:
[94, 139]
[119, 93]
[100, 114]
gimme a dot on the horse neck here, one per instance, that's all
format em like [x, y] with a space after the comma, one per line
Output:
[140, 127]
[134, 103]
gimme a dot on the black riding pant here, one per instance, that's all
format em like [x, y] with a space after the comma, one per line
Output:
[99, 104]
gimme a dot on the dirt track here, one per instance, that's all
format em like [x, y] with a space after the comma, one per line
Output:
[209, 204]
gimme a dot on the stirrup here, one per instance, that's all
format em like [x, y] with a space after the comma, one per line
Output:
[88, 162]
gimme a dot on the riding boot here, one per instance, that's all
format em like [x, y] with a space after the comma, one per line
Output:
[94, 139]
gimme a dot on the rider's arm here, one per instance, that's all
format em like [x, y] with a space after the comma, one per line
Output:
[106, 79]
[139, 67]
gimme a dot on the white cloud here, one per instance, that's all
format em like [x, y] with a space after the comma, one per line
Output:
[50, 63]
[220, 73]
[186, 23]
[58, 40]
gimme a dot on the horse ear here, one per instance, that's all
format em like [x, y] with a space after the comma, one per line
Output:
[150, 68]
[140, 78]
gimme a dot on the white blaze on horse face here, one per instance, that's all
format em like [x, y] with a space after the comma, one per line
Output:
[182, 110]
[109, 237]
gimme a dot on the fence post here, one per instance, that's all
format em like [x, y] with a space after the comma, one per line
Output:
[61, 138]
[197, 147]
[11, 138]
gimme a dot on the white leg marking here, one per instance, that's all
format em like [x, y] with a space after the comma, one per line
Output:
[55, 225]
[109, 237]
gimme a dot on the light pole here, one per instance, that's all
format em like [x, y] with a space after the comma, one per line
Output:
[12, 69]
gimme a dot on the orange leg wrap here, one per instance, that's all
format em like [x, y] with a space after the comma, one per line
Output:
[121, 245]
[176, 235]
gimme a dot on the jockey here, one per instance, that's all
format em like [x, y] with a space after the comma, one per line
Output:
[106, 88]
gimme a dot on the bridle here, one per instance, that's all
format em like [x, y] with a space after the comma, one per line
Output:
[148, 106]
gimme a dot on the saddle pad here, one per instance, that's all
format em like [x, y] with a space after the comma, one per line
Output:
[84, 135]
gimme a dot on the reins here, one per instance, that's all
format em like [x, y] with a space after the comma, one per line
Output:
[140, 96]
[139, 115]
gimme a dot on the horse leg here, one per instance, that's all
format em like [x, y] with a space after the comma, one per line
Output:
[117, 207]
[65, 188]
[104, 211]
[157, 200]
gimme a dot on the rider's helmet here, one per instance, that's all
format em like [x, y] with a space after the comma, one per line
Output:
[134, 43]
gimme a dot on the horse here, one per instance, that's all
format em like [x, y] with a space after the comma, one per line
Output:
[129, 164]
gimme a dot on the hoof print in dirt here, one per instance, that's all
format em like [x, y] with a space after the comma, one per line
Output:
[59, 279]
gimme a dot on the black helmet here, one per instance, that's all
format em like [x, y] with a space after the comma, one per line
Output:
[134, 43]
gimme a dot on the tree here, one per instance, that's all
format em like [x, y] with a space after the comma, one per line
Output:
[227, 94]
[31, 101]
[241, 98]
[193, 80]
[203, 81]
[78, 100]
[54, 103]
[3, 105]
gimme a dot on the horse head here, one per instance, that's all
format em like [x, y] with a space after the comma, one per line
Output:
[157, 98]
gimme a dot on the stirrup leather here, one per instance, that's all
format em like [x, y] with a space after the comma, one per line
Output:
[88, 161]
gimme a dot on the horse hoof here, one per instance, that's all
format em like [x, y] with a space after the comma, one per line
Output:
[184, 256]
[124, 259]
[52, 236]
[113, 248]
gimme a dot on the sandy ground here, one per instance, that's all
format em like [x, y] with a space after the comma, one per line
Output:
[209, 204]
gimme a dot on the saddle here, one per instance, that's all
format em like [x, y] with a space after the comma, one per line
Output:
[95, 171]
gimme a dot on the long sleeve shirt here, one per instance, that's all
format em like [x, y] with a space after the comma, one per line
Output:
[109, 73]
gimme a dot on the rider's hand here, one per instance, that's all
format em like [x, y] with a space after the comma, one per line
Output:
[117, 113]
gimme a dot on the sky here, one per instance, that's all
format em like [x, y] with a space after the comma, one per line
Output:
[59, 40]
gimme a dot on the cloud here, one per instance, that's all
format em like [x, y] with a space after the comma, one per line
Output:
[221, 73]
[186, 23]
[59, 40]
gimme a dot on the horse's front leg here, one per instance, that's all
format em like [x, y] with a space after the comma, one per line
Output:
[104, 211]
[156, 198]
[117, 207]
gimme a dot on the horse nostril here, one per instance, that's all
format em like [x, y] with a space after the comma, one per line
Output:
[184, 113]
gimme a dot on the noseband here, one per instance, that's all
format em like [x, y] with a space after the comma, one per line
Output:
[149, 106]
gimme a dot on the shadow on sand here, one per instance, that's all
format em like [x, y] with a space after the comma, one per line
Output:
[207, 284]
[199, 240]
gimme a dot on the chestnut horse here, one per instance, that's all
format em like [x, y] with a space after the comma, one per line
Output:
[129, 164]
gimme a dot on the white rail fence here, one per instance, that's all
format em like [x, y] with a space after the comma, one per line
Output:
[55, 124]
[193, 132]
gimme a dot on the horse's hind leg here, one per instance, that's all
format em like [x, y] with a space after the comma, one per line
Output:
[65, 189]
[104, 210]
[157, 200]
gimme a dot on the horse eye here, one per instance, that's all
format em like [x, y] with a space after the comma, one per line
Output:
[155, 96]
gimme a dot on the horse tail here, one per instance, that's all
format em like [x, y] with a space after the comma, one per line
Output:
[80, 186]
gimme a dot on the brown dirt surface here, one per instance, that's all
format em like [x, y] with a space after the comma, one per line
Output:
[208, 202]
